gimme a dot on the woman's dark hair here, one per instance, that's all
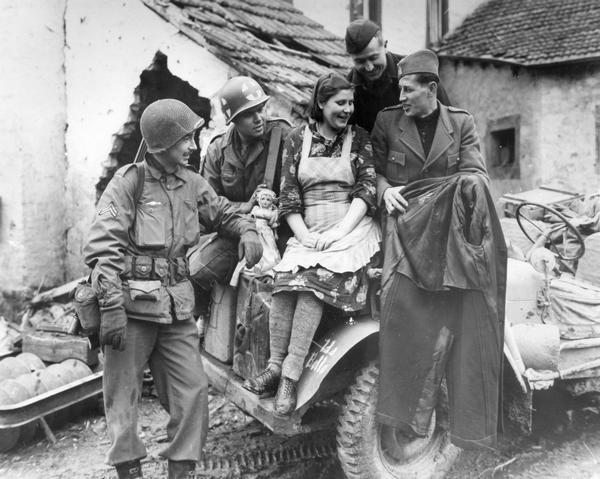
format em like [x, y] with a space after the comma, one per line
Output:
[327, 86]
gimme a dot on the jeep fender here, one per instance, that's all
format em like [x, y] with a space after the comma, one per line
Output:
[328, 350]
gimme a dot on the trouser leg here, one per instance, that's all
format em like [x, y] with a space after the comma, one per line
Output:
[280, 326]
[182, 389]
[307, 317]
[122, 383]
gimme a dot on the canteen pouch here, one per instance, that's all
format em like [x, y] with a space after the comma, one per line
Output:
[182, 294]
[87, 308]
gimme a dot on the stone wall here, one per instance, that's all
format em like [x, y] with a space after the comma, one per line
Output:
[556, 109]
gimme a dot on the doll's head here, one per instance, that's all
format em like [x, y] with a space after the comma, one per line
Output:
[266, 198]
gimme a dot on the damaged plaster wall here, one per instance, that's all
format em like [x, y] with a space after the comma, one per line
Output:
[109, 44]
[32, 132]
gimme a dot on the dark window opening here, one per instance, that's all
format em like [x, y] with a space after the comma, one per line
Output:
[156, 82]
[503, 149]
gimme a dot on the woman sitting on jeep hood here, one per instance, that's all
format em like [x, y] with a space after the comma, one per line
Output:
[328, 199]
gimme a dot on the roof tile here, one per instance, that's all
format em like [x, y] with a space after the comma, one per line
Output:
[269, 40]
[528, 32]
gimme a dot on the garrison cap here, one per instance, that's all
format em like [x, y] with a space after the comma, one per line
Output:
[422, 61]
[359, 33]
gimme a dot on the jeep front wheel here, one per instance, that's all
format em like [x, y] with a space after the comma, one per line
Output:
[368, 450]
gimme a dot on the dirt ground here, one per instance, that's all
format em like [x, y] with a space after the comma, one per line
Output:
[566, 444]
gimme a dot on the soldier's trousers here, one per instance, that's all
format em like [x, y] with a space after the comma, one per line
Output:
[171, 350]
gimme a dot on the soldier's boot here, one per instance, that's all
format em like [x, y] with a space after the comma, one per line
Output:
[181, 469]
[129, 469]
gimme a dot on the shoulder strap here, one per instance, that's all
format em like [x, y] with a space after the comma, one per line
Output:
[141, 178]
[272, 156]
[139, 166]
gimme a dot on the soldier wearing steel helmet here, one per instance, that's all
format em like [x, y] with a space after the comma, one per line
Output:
[234, 166]
[149, 215]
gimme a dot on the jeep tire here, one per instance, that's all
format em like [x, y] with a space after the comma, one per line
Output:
[368, 450]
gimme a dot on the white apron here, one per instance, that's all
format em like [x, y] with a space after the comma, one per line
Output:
[326, 183]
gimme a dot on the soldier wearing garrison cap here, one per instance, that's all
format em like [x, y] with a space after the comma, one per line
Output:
[421, 138]
[375, 73]
[430, 154]
[235, 166]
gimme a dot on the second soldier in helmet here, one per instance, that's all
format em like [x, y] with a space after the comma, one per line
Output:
[235, 166]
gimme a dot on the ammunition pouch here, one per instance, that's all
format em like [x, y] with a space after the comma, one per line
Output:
[169, 271]
[87, 308]
[153, 286]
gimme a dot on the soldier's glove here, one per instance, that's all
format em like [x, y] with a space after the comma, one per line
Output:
[250, 248]
[113, 327]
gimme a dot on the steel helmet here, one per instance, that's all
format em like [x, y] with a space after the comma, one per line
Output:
[240, 94]
[165, 122]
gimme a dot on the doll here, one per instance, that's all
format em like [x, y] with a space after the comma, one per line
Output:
[265, 214]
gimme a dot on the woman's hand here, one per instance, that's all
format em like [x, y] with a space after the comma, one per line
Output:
[309, 240]
[326, 239]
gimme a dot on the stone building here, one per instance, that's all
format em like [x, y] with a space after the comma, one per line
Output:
[529, 72]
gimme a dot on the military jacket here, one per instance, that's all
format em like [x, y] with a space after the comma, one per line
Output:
[399, 154]
[233, 176]
[164, 223]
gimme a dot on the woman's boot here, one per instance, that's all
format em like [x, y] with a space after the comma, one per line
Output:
[265, 383]
[285, 401]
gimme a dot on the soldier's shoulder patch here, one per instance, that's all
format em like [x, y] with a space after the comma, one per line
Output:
[109, 209]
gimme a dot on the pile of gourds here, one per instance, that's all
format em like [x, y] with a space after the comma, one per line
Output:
[25, 376]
